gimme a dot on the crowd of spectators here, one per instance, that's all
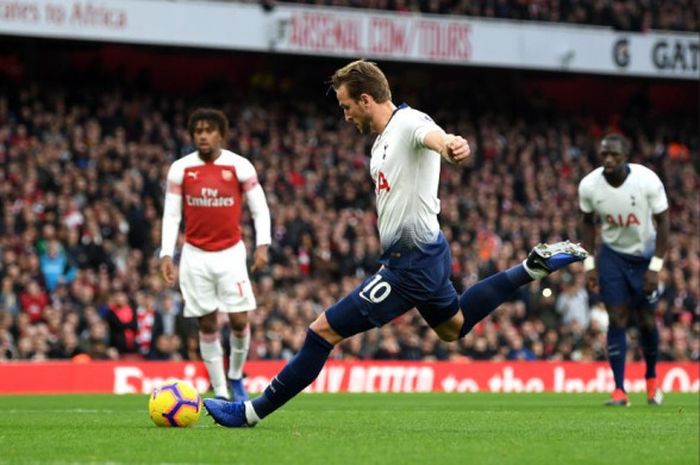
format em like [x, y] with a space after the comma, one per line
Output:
[81, 190]
[622, 15]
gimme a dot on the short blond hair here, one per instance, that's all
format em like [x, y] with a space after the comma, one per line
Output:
[362, 77]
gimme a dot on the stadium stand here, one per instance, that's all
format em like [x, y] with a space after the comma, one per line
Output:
[81, 187]
[629, 15]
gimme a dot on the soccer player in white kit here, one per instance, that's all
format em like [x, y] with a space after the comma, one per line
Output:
[626, 197]
[206, 188]
[416, 259]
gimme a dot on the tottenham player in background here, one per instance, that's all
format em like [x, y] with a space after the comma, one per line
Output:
[626, 196]
[405, 167]
[206, 188]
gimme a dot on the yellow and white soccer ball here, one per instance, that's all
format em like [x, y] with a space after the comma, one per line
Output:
[175, 403]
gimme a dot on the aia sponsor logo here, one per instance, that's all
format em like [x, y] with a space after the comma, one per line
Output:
[620, 221]
[382, 183]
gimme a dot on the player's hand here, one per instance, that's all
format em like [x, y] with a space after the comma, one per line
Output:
[456, 150]
[167, 269]
[592, 282]
[260, 259]
[651, 284]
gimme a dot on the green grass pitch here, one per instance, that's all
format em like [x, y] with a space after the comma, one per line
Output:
[360, 429]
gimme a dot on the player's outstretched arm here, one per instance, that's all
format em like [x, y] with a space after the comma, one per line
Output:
[453, 148]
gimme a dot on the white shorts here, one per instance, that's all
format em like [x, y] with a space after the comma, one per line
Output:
[218, 280]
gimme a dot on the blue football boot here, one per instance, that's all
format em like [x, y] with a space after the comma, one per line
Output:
[237, 390]
[547, 258]
[226, 413]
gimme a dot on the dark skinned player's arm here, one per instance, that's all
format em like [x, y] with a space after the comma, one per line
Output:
[663, 229]
[587, 222]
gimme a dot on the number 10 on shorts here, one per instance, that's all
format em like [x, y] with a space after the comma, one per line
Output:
[376, 290]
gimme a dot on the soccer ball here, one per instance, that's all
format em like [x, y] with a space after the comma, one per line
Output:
[175, 403]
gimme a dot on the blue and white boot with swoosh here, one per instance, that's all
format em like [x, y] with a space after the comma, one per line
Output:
[547, 258]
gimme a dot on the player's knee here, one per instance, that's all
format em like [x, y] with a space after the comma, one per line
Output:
[208, 324]
[647, 320]
[450, 330]
[618, 317]
[448, 334]
[321, 327]
[618, 321]
[238, 321]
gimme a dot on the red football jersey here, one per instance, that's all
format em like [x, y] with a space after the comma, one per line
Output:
[212, 197]
[211, 203]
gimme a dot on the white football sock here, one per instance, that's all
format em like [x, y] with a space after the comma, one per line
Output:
[535, 274]
[213, 356]
[239, 353]
[251, 416]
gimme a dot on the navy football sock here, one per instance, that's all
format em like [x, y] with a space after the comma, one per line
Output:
[483, 297]
[617, 351]
[299, 372]
[650, 348]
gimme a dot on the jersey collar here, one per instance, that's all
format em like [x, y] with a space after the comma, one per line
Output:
[401, 106]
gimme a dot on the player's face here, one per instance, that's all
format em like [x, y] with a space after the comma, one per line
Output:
[207, 138]
[354, 112]
[612, 156]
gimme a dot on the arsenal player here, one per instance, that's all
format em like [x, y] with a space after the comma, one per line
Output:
[207, 188]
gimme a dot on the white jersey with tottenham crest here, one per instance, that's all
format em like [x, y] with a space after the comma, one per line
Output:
[625, 211]
[406, 176]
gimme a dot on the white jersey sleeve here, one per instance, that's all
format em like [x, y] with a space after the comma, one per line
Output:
[245, 171]
[418, 125]
[656, 194]
[172, 211]
[585, 200]
[255, 198]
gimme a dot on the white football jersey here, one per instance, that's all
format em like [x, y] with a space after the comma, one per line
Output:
[625, 211]
[406, 176]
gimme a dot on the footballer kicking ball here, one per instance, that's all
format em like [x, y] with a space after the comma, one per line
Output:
[175, 403]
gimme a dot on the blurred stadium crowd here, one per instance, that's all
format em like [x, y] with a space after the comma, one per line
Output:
[622, 15]
[82, 172]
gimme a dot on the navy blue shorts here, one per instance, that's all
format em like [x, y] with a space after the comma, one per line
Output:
[621, 278]
[419, 279]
